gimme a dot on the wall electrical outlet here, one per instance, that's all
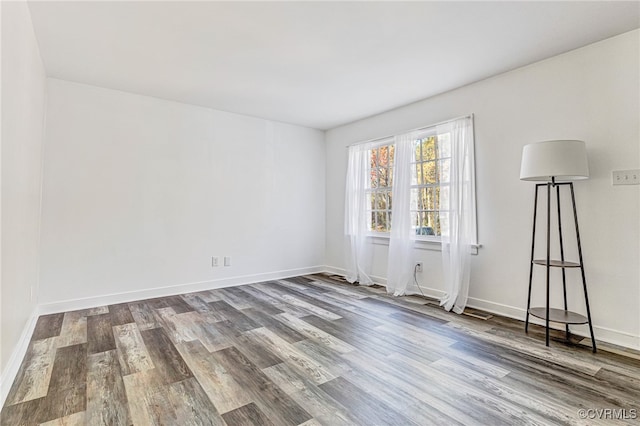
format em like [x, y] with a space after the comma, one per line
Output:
[418, 266]
[214, 261]
[625, 177]
[227, 261]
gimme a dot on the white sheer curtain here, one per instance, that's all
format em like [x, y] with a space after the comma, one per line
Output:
[400, 262]
[458, 226]
[355, 220]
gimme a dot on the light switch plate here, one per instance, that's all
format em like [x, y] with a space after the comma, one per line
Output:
[625, 177]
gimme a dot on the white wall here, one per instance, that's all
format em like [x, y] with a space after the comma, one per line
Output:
[23, 99]
[139, 193]
[590, 94]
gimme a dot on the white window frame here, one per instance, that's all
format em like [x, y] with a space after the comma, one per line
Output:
[427, 133]
[426, 242]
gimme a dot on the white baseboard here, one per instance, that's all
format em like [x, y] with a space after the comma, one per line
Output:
[604, 334]
[425, 291]
[412, 289]
[342, 272]
[13, 365]
[616, 337]
[333, 270]
[131, 296]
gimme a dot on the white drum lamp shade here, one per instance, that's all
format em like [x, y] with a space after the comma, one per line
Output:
[564, 160]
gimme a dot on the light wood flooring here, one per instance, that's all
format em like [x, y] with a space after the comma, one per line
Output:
[308, 351]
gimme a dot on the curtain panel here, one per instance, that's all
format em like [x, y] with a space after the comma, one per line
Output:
[460, 233]
[355, 221]
[400, 261]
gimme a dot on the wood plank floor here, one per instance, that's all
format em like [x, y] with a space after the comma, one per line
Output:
[310, 351]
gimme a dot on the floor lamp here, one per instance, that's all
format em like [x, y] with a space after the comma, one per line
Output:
[557, 163]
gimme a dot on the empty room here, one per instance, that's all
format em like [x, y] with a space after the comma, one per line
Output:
[320, 213]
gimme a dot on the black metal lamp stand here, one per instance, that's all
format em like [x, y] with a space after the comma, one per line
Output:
[546, 313]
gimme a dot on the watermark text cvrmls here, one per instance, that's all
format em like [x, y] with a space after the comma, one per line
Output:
[608, 413]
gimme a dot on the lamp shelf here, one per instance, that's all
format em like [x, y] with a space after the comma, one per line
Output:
[557, 263]
[559, 315]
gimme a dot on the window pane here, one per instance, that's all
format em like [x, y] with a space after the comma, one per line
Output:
[445, 170]
[390, 176]
[390, 200]
[374, 158]
[381, 221]
[373, 178]
[392, 150]
[374, 201]
[381, 201]
[414, 201]
[384, 177]
[423, 227]
[444, 145]
[389, 221]
[417, 171]
[417, 157]
[444, 197]
[370, 201]
[429, 202]
[429, 172]
[429, 148]
[431, 221]
[383, 159]
[415, 219]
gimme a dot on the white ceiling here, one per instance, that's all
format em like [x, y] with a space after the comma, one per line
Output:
[316, 64]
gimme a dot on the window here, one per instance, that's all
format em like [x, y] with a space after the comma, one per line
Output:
[430, 184]
[425, 179]
[430, 168]
[378, 188]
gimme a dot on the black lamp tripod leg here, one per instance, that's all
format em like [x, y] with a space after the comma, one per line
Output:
[584, 279]
[564, 278]
[533, 241]
[548, 258]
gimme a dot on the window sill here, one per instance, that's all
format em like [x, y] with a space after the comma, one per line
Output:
[420, 244]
